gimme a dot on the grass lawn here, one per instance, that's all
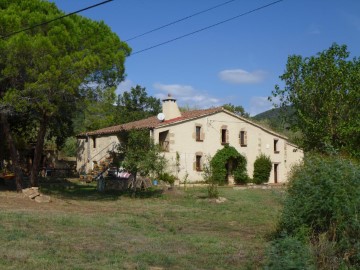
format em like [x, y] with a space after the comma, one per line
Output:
[82, 229]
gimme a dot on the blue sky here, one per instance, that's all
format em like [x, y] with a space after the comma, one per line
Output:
[237, 62]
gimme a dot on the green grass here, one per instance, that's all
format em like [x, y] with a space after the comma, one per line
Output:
[83, 229]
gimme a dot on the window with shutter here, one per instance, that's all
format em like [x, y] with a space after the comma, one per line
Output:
[198, 134]
[243, 138]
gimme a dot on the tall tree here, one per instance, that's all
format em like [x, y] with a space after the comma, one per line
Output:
[96, 111]
[136, 105]
[324, 91]
[45, 71]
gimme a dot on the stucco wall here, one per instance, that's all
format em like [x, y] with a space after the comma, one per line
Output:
[88, 154]
[182, 141]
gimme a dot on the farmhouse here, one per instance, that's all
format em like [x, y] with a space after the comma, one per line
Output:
[188, 138]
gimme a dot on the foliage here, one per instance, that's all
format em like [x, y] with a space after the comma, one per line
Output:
[166, 177]
[47, 70]
[324, 91]
[222, 158]
[262, 169]
[324, 199]
[239, 110]
[138, 154]
[289, 253]
[212, 189]
[96, 111]
[70, 147]
[136, 105]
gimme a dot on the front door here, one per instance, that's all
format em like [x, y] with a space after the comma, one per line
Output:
[276, 172]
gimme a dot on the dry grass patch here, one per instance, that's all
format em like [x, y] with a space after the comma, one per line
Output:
[175, 230]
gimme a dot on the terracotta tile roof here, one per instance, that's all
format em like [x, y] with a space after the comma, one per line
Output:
[151, 122]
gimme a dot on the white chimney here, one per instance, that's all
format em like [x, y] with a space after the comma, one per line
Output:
[170, 108]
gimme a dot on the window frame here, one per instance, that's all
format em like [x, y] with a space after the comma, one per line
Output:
[198, 163]
[276, 146]
[224, 136]
[243, 138]
[198, 132]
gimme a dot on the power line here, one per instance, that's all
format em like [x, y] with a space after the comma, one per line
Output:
[58, 18]
[205, 28]
[179, 20]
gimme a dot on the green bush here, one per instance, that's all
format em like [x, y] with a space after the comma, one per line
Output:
[262, 169]
[222, 158]
[324, 199]
[168, 178]
[289, 253]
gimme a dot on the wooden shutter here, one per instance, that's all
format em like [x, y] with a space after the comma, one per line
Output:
[202, 135]
[227, 136]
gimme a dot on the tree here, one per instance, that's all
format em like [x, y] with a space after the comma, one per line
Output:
[45, 71]
[138, 154]
[96, 111]
[239, 110]
[136, 105]
[324, 91]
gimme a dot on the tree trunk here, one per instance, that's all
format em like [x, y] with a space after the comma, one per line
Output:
[38, 153]
[13, 152]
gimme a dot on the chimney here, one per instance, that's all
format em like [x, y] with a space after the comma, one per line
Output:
[170, 108]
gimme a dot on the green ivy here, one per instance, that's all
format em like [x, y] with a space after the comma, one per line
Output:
[219, 161]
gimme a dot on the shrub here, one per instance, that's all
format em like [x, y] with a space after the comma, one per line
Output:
[262, 169]
[289, 253]
[221, 159]
[324, 200]
[168, 178]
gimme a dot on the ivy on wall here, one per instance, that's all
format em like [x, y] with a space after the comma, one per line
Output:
[224, 157]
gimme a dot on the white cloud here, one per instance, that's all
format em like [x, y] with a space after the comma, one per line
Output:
[124, 86]
[260, 104]
[240, 76]
[186, 95]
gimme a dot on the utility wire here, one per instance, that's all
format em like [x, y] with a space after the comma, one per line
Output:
[58, 18]
[205, 28]
[179, 20]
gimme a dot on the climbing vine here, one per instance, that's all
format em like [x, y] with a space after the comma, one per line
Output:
[222, 158]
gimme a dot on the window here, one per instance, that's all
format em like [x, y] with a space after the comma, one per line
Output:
[224, 136]
[198, 163]
[164, 141]
[243, 138]
[276, 146]
[198, 134]
[94, 142]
